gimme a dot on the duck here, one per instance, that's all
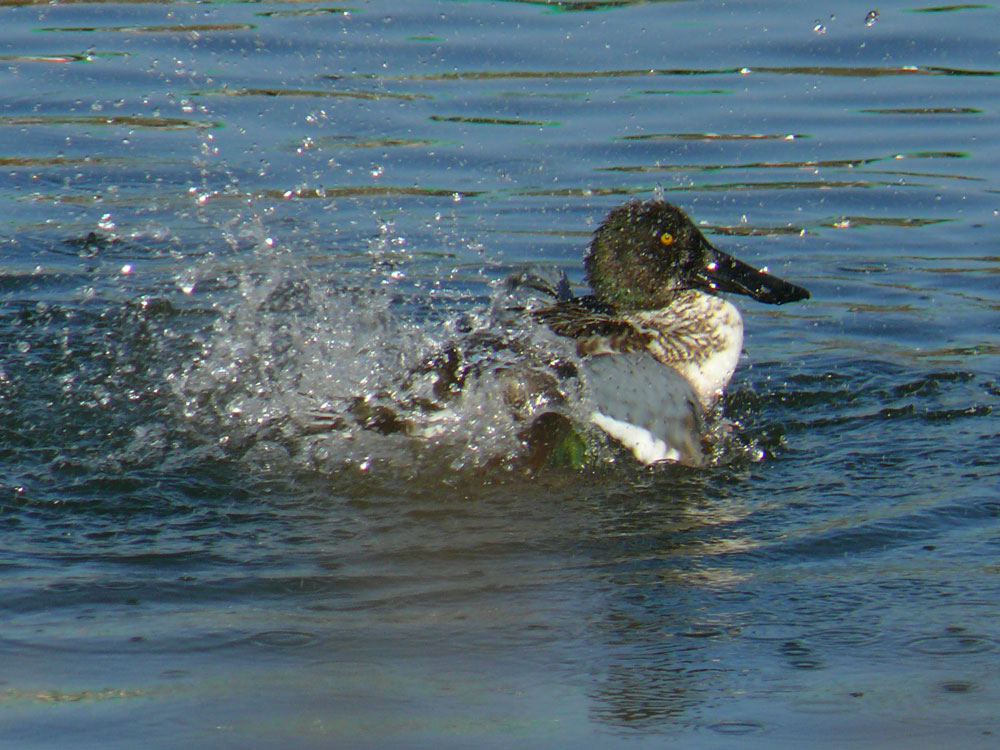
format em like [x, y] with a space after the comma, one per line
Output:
[651, 348]
[657, 340]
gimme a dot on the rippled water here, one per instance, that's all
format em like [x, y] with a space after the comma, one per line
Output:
[222, 219]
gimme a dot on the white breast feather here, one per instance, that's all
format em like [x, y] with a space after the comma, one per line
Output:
[701, 336]
[711, 372]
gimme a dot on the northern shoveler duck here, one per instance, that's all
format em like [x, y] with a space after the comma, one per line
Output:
[658, 343]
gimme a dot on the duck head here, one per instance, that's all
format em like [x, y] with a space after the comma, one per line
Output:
[644, 253]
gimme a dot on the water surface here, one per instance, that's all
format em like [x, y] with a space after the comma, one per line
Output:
[220, 217]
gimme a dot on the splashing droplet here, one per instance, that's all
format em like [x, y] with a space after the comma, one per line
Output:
[819, 27]
[872, 18]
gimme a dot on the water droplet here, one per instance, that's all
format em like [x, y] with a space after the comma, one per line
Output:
[872, 18]
[818, 27]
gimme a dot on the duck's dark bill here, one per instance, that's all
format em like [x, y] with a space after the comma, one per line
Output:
[724, 273]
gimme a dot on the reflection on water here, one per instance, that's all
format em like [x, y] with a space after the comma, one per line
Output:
[221, 217]
[171, 123]
[861, 72]
[190, 28]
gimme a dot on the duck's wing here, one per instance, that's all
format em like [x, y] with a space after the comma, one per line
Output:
[593, 326]
[550, 282]
[647, 407]
[545, 294]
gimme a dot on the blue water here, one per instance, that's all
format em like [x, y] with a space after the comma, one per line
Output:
[221, 219]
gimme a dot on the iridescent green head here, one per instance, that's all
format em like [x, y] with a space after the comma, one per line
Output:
[644, 253]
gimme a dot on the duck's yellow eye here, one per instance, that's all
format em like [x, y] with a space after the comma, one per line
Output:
[666, 239]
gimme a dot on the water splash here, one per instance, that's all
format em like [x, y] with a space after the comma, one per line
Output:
[263, 360]
[350, 370]
[353, 371]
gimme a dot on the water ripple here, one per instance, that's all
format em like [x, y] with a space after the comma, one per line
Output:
[860, 71]
[283, 639]
[952, 644]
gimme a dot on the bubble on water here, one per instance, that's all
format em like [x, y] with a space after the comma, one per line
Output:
[872, 18]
